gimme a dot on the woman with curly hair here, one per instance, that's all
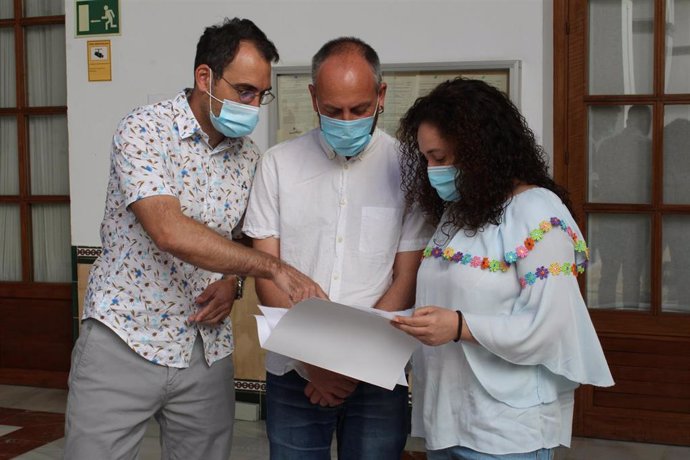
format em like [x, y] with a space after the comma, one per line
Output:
[506, 334]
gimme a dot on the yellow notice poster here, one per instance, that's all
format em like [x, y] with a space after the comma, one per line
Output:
[98, 55]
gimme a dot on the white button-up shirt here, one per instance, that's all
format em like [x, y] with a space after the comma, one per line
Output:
[339, 221]
[143, 294]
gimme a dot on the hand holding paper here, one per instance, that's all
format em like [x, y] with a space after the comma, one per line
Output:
[353, 341]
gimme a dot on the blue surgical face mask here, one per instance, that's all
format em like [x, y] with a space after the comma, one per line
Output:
[348, 138]
[235, 119]
[442, 178]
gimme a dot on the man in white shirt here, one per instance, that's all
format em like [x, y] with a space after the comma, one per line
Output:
[330, 204]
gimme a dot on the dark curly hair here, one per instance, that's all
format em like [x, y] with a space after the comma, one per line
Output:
[494, 150]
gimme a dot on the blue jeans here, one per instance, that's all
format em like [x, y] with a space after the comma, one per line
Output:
[370, 424]
[463, 453]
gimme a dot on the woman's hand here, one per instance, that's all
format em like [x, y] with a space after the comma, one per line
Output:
[430, 325]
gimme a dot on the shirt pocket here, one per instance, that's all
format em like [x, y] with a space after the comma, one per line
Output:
[380, 230]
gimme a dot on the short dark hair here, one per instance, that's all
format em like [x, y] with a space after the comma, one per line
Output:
[344, 45]
[492, 145]
[218, 45]
[640, 117]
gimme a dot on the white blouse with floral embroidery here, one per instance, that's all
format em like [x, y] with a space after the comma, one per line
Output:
[515, 284]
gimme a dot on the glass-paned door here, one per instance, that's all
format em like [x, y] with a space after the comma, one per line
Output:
[624, 153]
[34, 179]
[35, 243]
[675, 228]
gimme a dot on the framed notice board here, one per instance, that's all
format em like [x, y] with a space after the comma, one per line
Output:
[292, 114]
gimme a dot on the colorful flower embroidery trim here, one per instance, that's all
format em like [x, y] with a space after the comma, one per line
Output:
[555, 269]
[522, 251]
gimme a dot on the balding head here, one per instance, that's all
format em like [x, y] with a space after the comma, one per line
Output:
[347, 46]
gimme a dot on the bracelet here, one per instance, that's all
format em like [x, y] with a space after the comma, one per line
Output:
[457, 339]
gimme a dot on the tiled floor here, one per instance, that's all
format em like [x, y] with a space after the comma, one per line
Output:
[32, 418]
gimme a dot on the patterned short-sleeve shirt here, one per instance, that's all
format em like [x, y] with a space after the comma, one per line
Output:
[143, 294]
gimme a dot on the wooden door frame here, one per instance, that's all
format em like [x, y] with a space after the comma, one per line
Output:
[36, 332]
[560, 91]
[658, 333]
[569, 122]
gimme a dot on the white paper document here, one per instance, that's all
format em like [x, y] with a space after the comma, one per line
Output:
[357, 342]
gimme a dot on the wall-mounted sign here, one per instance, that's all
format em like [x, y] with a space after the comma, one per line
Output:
[98, 56]
[98, 17]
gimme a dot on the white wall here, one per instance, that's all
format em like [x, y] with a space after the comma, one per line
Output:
[154, 56]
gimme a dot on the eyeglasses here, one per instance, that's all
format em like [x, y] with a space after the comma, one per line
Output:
[247, 96]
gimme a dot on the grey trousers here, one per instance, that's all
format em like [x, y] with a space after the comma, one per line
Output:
[113, 392]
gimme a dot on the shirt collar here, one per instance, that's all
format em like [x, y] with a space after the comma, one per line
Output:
[331, 155]
[185, 120]
[189, 126]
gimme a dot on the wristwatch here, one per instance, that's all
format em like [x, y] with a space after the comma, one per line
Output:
[239, 291]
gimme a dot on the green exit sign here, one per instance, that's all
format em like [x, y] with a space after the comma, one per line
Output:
[98, 17]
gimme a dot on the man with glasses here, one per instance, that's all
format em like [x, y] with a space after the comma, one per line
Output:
[156, 339]
[330, 203]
